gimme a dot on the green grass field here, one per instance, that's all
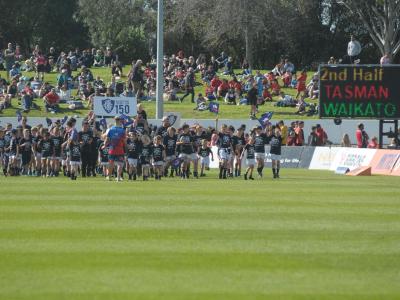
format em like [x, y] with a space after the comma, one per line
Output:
[185, 108]
[310, 235]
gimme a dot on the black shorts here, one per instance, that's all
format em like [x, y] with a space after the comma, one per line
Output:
[46, 155]
[252, 101]
[144, 161]
[41, 68]
[26, 157]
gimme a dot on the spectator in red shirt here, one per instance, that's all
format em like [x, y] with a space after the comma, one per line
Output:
[361, 136]
[300, 134]
[215, 83]
[236, 86]
[301, 83]
[51, 101]
[223, 88]
[275, 88]
[40, 65]
[322, 137]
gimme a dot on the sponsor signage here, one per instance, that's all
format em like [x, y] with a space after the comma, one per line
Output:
[352, 158]
[396, 168]
[290, 157]
[384, 162]
[323, 158]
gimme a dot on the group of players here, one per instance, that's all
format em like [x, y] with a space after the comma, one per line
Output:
[185, 152]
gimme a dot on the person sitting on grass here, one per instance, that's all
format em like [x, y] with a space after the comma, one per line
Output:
[209, 74]
[64, 93]
[223, 88]
[313, 89]
[27, 96]
[293, 83]
[287, 78]
[51, 101]
[312, 110]
[246, 70]
[99, 83]
[214, 84]
[171, 91]
[286, 101]
[201, 103]
[267, 95]
[15, 71]
[236, 86]
[210, 93]
[230, 97]
[86, 91]
[301, 106]
[12, 89]
[229, 67]
[275, 88]
[98, 59]
[5, 101]
[116, 70]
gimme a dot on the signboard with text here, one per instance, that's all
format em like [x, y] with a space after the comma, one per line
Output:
[114, 106]
[359, 91]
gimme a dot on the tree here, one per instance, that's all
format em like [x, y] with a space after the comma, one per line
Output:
[382, 20]
[118, 24]
[222, 23]
[52, 25]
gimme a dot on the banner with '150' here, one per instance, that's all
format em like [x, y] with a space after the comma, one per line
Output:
[113, 106]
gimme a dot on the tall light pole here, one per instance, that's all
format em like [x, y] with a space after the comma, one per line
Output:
[160, 60]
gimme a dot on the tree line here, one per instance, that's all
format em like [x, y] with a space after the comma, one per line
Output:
[263, 31]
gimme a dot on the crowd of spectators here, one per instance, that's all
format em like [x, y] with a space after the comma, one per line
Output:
[76, 84]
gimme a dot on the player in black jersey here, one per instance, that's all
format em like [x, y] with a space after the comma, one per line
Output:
[75, 157]
[169, 142]
[145, 156]
[158, 154]
[13, 154]
[231, 162]
[46, 150]
[19, 156]
[276, 146]
[224, 150]
[25, 149]
[57, 142]
[141, 125]
[2, 148]
[36, 151]
[133, 145]
[250, 158]
[197, 139]
[86, 140]
[204, 155]
[260, 140]
[187, 154]
[238, 143]
[103, 158]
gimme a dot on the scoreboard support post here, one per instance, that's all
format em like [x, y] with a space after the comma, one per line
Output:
[390, 133]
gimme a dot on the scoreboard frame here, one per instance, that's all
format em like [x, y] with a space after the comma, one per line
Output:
[359, 91]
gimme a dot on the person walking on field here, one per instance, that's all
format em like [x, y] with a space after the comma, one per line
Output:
[116, 140]
[136, 78]
[189, 84]
[252, 101]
